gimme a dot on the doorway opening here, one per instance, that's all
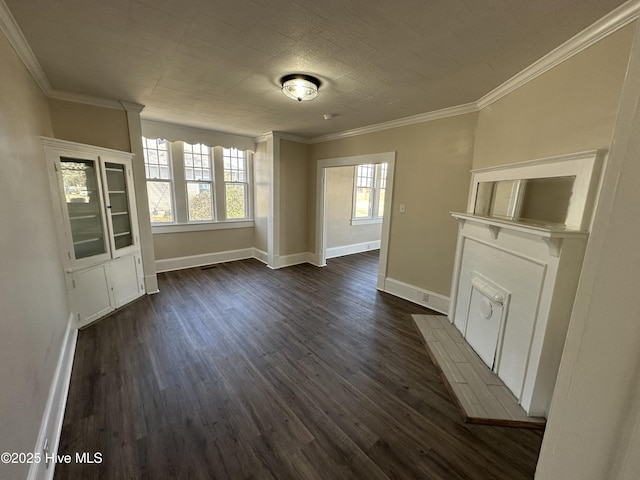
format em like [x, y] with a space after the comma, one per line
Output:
[380, 209]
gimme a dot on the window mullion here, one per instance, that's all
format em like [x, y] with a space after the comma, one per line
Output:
[376, 191]
[218, 184]
[249, 183]
[179, 182]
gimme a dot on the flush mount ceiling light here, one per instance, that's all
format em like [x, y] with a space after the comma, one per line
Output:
[300, 87]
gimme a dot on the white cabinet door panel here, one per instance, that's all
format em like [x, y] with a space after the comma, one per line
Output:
[125, 279]
[92, 296]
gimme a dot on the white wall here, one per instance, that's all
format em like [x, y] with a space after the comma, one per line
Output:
[34, 310]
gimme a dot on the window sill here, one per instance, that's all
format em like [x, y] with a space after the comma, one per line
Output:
[199, 227]
[365, 221]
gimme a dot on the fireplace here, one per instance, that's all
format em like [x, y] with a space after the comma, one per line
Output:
[515, 277]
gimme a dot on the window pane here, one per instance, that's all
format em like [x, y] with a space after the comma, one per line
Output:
[365, 175]
[383, 175]
[381, 203]
[83, 206]
[199, 200]
[234, 165]
[156, 158]
[235, 200]
[197, 161]
[160, 204]
[364, 198]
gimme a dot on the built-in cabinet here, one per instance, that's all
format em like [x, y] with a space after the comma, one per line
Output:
[94, 199]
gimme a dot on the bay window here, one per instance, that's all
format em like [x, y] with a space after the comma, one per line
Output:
[191, 184]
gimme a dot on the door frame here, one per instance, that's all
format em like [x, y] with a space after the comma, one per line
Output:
[321, 207]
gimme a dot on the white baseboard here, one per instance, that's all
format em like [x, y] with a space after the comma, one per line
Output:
[151, 284]
[261, 255]
[341, 251]
[431, 300]
[290, 260]
[51, 426]
[426, 298]
[180, 263]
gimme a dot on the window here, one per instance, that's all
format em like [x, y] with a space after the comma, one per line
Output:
[199, 178]
[235, 184]
[157, 167]
[382, 188]
[369, 193]
[190, 184]
[365, 183]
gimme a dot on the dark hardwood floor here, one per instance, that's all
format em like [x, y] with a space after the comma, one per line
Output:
[242, 372]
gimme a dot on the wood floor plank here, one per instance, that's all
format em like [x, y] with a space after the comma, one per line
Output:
[238, 371]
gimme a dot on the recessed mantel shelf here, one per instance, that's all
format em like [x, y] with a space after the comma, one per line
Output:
[553, 236]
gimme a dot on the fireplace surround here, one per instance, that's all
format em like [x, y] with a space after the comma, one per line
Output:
[515, 277]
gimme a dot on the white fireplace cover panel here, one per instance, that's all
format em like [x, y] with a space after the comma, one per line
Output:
[523, 277]
[487, 308]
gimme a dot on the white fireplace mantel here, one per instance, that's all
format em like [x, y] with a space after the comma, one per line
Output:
[535, 267]
[551, 235]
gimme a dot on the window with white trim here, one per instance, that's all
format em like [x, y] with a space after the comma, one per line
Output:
[157, 165]
[191, 184]
[369, 193]
[235, 183]
[199, 182]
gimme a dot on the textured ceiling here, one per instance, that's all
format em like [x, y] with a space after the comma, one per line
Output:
[215, 64]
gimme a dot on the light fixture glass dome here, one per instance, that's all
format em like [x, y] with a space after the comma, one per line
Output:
[300, 87]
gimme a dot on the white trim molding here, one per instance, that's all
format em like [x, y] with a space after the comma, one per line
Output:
[610, 23]
[191, 261]
[400, 122]
[343, 250]
[321, 224]
[613, 21]
[19, 43]
[420, 296]
[51, 426]
[291, 260]
[159, 229]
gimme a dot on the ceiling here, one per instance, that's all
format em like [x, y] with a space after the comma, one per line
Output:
[215, 64]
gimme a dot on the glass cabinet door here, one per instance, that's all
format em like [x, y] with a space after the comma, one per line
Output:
[82, 198]
[118, 208]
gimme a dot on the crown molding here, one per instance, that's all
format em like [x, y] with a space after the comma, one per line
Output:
[132, 107]
[401, 122]
[282, 136]
[264, 137]
[613, 21]
[85, 99]
[610, 23]
[16, 38]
